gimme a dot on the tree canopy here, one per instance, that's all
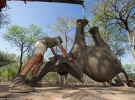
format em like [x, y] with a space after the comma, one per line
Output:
[23, 38]
[6, 58]
[4, 19]
[115, 12]
[116, 19]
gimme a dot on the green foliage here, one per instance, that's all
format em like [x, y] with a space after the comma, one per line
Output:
[13, 72]
[64, 27]
[108, 16]
[23, 38]
[128, 68]
[4, 74]
[4, 19]
[109, 35]
[9, 73]
[116, 12]
[35, 32]
[6, 58]
[51, 77]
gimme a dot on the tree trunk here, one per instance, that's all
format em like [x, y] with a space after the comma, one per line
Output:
[8, 74]
[20, 62]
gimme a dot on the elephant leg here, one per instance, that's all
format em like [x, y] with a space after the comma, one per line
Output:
[104, 83]
[65, 79]
[61, 79]
[97, 38]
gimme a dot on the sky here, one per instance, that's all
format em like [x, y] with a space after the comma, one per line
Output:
[40, 14]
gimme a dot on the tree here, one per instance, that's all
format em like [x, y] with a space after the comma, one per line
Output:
[110, 36]
[118, 14]
[9, 73]
[23, 38]
[129, 70]
[65, 27]
[6, 59]
[4, 19]
[35, 33]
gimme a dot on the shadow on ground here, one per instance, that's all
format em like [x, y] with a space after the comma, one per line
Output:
[71, 92]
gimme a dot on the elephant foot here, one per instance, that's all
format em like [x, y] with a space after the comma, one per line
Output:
[93, 30]
[84, 22]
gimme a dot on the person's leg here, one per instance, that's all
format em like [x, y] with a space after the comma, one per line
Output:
[19, 84]
[33, 81]
[36, 69]
[36, 59]
[42, 49]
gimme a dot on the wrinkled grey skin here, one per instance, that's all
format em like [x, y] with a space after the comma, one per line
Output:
[103, 63]
[99, 62]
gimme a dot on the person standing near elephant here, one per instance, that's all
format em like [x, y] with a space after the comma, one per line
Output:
[19, 83]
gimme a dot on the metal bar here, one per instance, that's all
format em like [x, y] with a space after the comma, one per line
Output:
[61, 1]
[55, 1]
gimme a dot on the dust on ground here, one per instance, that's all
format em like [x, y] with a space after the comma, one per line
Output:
[70, 92]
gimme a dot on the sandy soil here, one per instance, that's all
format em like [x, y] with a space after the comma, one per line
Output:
[70, 92]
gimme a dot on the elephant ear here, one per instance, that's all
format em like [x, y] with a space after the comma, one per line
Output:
[74, 65]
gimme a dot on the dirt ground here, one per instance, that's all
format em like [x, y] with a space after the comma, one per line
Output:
[70, 92]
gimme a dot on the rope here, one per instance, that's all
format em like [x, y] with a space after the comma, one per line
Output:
[89, 26]
[83, 10]
[84, 14]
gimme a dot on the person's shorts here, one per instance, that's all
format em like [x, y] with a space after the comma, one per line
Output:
[39, 48]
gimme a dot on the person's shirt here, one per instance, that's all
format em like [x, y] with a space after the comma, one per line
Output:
[50, 41]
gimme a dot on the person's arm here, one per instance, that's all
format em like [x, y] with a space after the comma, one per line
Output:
[65, 53]
[53, 51]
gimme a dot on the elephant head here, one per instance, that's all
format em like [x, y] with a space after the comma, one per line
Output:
[61, 64]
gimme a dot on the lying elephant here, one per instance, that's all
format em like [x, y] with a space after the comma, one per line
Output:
[99, 62]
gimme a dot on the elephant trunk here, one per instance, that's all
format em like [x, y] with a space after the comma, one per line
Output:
[47, 68]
